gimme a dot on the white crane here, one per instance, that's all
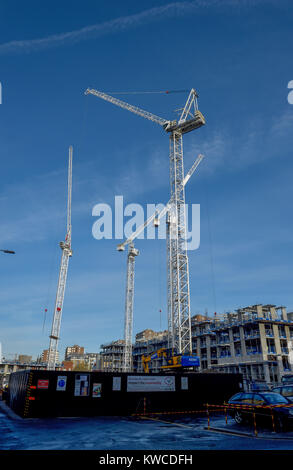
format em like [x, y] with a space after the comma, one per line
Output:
[132, 253]
[66, 254]
[178, 281]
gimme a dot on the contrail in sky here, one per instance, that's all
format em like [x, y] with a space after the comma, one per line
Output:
[171, 10]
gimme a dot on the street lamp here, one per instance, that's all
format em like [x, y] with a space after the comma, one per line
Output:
[8, 251]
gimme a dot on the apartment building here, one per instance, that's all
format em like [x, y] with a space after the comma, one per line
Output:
[24, 359]
[93, 361]
[255, 341]
[76, 357]
[70, 350]
[145, 342]
[45, 356]
[112, 356]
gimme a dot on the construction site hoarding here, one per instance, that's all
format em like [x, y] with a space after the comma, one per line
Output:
[45, 393]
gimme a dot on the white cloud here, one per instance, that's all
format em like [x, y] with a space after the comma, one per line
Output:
[259, 140]
[283, 123]
[121, 24]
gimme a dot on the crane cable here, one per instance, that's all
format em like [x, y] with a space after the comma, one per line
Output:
[166, 92]
[211, 251]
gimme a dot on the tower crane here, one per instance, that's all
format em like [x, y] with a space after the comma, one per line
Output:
[66, 254]
[132, 253]
[178, 281]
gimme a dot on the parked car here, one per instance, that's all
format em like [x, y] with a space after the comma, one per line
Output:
[285, 390]
[283, 415]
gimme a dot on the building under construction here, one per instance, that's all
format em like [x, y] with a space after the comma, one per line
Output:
[112, 356]
[255, 341]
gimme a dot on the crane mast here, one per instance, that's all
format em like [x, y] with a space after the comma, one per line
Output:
[177, 264]
[177, 251]
[66, 254]
[128, 317]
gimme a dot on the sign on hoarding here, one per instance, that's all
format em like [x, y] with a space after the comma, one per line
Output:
[141, 383]
[43, 384]
[116, 384]
[184, 383]
[61, 383]
[97, 390]
[81, 388]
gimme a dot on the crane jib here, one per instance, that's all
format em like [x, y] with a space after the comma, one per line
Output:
[128, 107]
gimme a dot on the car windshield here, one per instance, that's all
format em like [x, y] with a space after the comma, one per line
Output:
[274, 398]
[287, 391]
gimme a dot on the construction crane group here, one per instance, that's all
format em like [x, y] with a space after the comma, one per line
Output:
[178, 290]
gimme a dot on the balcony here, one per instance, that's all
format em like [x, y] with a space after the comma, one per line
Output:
[225, 340]
[225, 354]
[251, 352]
[253, 334]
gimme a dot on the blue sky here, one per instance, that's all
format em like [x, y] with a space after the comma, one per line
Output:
[238, 55]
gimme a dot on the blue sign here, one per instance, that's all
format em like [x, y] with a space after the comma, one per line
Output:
[190, 361]
[61, 383]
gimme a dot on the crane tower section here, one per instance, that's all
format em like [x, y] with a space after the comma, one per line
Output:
[128, 317]
[66, 254]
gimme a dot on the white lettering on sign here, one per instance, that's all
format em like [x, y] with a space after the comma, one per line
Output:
[43, 384]
[151, 384]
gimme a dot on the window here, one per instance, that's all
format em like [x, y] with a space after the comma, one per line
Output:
[287, 391]
[247, 398]
[236, 397]
[275, 399]
[258, 400]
